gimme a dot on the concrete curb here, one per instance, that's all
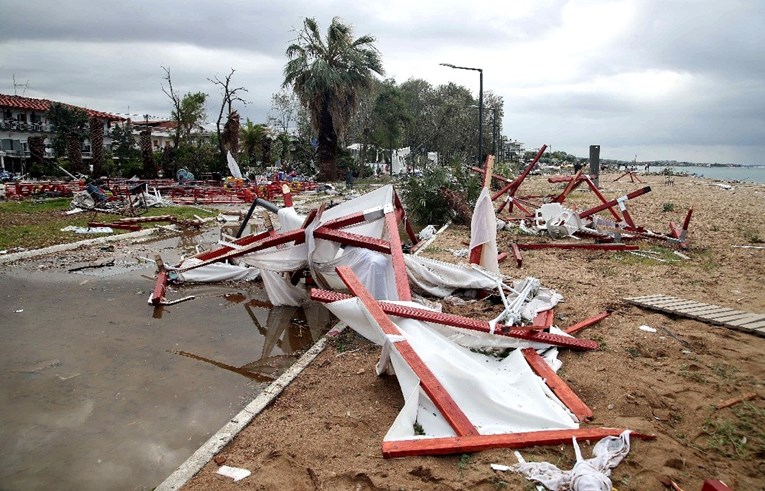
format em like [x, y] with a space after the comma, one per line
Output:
[226, 434]
[9, 258]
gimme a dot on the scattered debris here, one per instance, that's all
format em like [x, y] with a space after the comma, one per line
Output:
[647, 328]
[735, 400]
[92, 266]
[235, 473]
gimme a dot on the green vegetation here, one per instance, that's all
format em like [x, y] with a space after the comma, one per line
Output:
[32, 224]
[424, 201]
[667, 207]
[418, 430]
[329, 77]
[741, 435]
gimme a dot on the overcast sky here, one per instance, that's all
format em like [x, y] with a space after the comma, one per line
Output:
[660, 79]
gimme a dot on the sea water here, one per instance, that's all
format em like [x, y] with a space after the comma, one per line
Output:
[743, 173]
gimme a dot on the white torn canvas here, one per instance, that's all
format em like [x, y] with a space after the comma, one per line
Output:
[233, 167]
[483, 231]
[587, 475]
[373, 269]
[440, 279]
[497, 395]
[216, 272]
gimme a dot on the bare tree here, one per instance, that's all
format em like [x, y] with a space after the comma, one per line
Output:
[230, 94]
[176, 99]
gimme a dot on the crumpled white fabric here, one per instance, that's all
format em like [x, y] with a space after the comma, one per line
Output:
[587, 475]
[483, 231]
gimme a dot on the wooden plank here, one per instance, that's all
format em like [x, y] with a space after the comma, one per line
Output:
[428, 381]
[646, 298]
[470, 444]
[756, 325]
[699, 307]
[560, 388]
[751, 318]
[673, 304]
[727, 318]
[720, 315]
[712, 309]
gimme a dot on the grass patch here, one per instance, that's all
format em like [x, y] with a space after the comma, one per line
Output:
[752, 236]
[32, 224]
[667, 207]
[740, 436]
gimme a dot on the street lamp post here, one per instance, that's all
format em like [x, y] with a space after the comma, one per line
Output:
[480, 106]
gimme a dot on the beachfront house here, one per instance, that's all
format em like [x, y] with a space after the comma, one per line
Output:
[25, 117]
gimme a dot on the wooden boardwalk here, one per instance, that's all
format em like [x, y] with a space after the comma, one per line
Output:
[713, 314]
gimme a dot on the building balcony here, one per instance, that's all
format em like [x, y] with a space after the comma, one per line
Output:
[13, 125]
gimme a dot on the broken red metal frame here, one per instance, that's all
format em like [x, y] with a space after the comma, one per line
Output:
[469, 444]
[511, 188]
[587, 323]
[468, 439]
[633, 176]
[428, 381]
[393, 216]
[425, 315]
[562, 391]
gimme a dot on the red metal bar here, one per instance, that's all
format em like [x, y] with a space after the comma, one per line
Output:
[158, 218]
[517, 254]
[347, 220]
[572, 184]
[513, 186]
[502, 257]
[452, 320]
[471, 444]
[355, 240]
[493, 176]
[428, 381]
[544, 319]
[401, 216]
[557, 385]
[159, 288]
[475, 254]
[587, 322]
[397, 256]
[594, 247]
[674, 230]
[249, 239]
[602, 198]
[613, 202]
[123, 226]
[297, 236]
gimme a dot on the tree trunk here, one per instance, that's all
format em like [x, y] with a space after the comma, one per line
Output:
[149, 170]
[36, 148]
[327, 151]
[74, 154]
[97, 144]
[231, 135]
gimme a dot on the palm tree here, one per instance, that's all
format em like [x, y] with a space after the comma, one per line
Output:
[329, 78]
[251, 137]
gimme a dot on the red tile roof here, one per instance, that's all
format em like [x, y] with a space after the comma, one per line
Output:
[43, 105]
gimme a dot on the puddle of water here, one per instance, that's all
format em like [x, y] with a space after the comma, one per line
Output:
[99, 391]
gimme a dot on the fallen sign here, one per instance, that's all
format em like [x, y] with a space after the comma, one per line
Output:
[503, 404]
